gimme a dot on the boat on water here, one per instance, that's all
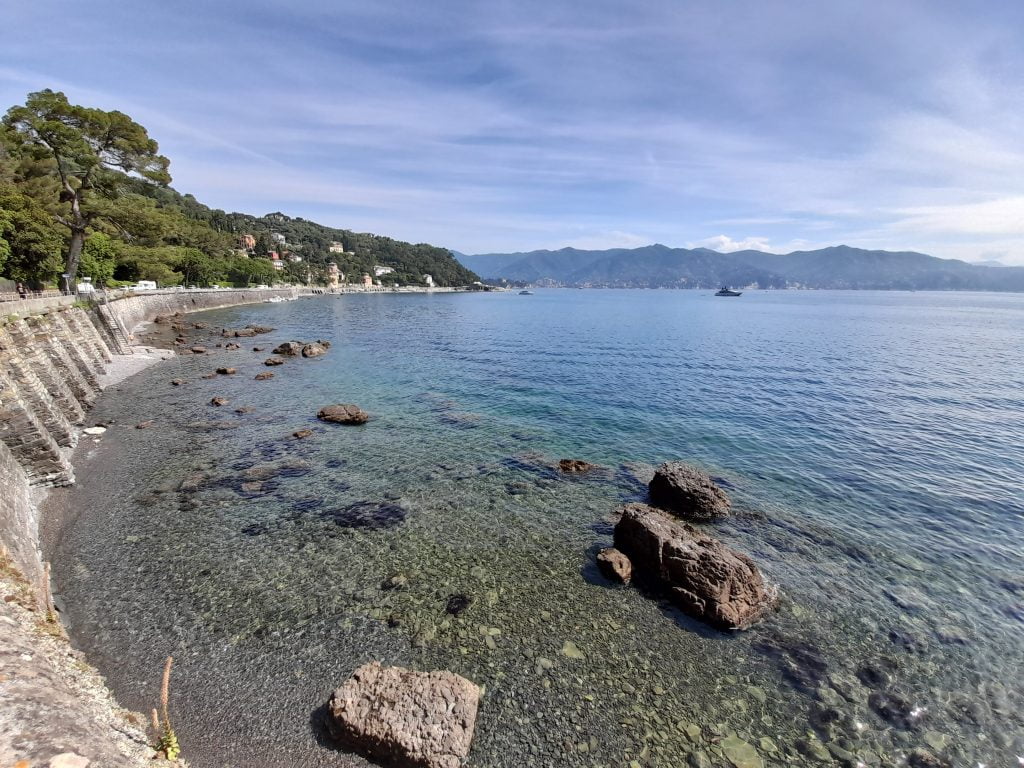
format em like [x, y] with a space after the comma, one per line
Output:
[526, 293]
[726, 291]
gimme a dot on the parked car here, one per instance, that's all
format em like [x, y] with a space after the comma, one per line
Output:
[144, 285]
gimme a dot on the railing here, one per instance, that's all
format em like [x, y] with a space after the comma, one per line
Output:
[15, 296]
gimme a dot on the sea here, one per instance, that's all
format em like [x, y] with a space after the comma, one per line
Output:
[872, 444]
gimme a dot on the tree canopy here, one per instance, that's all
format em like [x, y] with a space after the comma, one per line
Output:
[83, 189]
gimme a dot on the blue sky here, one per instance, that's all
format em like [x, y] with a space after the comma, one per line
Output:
[500, 126]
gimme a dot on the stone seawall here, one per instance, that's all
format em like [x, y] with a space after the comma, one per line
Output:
[122, 316]
[55, 355]
[52, 356]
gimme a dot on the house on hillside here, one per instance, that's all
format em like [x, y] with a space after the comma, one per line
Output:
[246, 242]
[379, 271]
[429, 281]
[367, 281]
[334, 276]
[277, 237]
[336, 247]
[275, 259]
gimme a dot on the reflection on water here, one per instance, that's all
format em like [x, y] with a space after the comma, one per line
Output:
[873, 445]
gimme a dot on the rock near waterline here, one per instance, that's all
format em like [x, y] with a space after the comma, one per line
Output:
[404, 718]
[614, 565]
[703, 577]
[343, 413]
[688, 492]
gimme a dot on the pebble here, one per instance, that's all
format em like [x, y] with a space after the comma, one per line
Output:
[569, 650]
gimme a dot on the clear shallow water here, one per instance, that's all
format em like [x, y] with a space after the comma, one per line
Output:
[873, 445]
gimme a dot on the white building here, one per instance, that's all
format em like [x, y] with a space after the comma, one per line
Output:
[429, 281]
[336, 248]
[378, 270]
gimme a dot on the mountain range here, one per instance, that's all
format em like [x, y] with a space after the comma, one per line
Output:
[658, 266]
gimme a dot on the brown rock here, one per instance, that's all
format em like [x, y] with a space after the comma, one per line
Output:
[614, 565]
[344, 413]
[209, 376]
[161, 319]
[324, 344]
[313, 350]
[177, 382]
[703, 577]
[245, 409]
[258, 349]
[144, 424]
[289, 348]
[260, 329]
[575, 465]
[232, 345]
[218, 401]
[226, 371]
[688, 492]
[301, 433]
[198, 350]
[252, 486]
[273, 361]
[264, 376]
[199, 326]
[239, 333]
[406, 718]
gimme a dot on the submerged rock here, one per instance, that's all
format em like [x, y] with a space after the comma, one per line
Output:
[301, 433]
[704, 578]
[688, 492]
[614, 565]
[218, 401]
[227, 371]
[457, 603]
[272, 361]
[575, 465]
[344, 413]
[405, 718]
[367, 514]
[263, 376]
[198, 350]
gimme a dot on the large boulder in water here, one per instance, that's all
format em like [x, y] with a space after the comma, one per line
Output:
[400, 717]
[314, 350]
[289, 348]
[687, 491]
[344, 413]
[703, 577]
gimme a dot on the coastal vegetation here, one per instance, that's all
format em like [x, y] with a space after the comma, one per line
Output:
[85, 192]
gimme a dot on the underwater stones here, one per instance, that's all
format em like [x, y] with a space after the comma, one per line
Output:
[264, 376]
[893, 709]
[405, 718]
[571, 651]
[740, 753]
[343, 413]
[457, 603]
[922, 758]
[244, 410]
[145, 424]
[289, 348]
[177, 382]
[688, 492]
[313, 350]
[272, 361]
[198, 350]
[227, 371]
[571, 466]
[703, 577]
[300, 434]
[219, 401]
[614, 565]
[237, 333]
[371, 515]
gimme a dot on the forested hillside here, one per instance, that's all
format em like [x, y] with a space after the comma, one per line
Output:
[85, 191]
[658, 266]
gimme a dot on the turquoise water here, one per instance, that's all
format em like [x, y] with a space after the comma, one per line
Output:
[872, 443]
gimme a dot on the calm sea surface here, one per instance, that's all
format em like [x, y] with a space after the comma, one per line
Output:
[872, 443]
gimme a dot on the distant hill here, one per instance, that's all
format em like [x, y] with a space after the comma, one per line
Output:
[658, 266]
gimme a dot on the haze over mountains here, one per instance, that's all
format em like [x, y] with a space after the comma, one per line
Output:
[658, 266]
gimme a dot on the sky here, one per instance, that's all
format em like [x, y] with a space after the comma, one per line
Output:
[511, 126]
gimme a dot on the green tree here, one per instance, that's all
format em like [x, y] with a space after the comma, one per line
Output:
[196, 268]
[99, 257]
[30, 246]
[91, 149]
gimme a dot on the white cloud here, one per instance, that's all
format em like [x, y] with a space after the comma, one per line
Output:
[1003, 216]
[725, 244]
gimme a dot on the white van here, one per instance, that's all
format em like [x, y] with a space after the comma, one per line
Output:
[144, 285]
[85, 286]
